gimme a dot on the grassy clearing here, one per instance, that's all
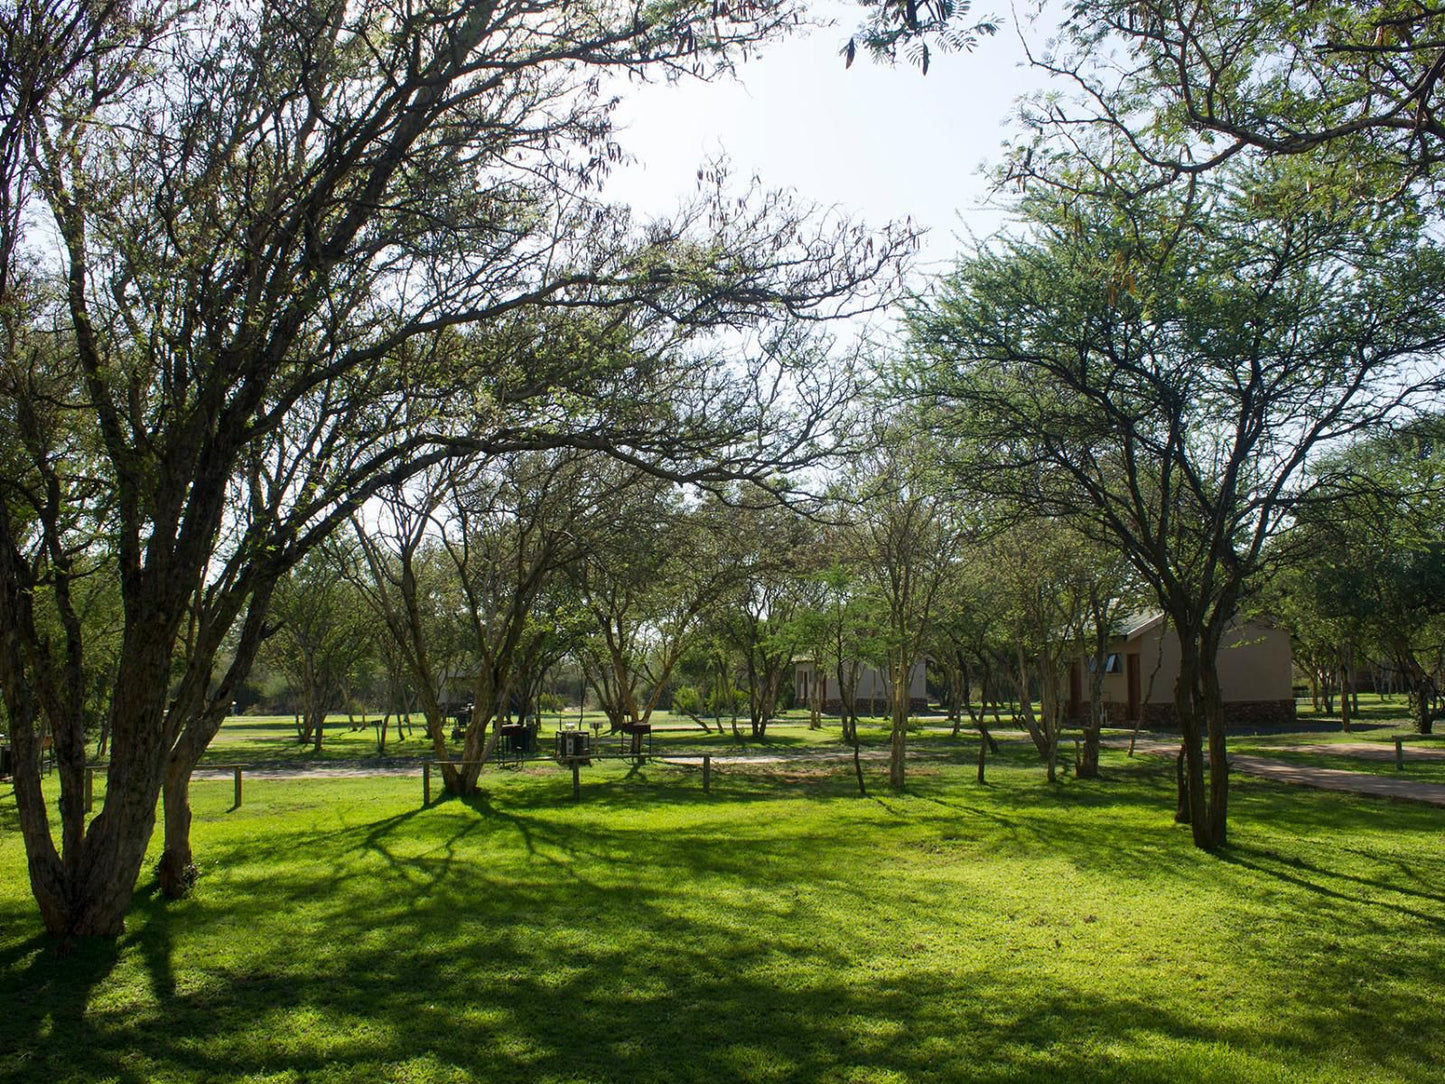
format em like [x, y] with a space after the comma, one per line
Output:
[777, 929]
[1375, 709]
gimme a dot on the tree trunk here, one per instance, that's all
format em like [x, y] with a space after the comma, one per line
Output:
[898, 744]
[1199, 708]
[176, 873]
[1346, 688]
[1181, 782]
[1088, 766]
[85, 888]
[1024, 716]
[858, 766]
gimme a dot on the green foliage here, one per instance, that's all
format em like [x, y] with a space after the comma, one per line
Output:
[1364, 566]
[1352, 84]
[915, 29]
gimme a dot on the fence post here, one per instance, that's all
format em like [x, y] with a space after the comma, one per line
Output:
[1399, 755]
[706, 773]
[236, 778]
[426, 784]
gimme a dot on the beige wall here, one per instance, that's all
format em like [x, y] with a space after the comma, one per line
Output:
[871, 683]
[1254, 665]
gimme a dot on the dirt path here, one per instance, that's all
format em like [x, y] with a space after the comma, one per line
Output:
[343, 770]
[357, 770]
[1382, 786]
[1371, 750]
[1378, 786]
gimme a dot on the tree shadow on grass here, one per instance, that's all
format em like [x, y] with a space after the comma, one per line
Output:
[1336, 884]
[517, 936]
[522, 984]
[46, 1001]
[9, 812]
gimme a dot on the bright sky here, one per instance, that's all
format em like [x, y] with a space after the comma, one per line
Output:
[880, 143]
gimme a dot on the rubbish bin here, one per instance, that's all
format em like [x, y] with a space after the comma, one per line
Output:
[573, 745]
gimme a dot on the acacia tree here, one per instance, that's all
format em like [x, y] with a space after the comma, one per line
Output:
[1195, 83]
[905, 537]
[304, 250]
[647, 578]
[758, 618]
[511, 526]
[1162, 370]
[408, 582]
[320, 631]
[1367, 563]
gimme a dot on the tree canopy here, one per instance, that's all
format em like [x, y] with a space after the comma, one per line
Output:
[1162, 372]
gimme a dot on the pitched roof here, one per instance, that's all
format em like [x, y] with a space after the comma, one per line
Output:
[1131, 625]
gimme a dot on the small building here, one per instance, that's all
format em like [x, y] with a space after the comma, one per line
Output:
[874, 691]
[1255, 675]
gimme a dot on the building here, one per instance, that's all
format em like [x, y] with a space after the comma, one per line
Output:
[1255, 675]
[873, 692]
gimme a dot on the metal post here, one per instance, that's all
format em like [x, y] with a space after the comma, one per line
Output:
[1399, 755]
[706, 773]
[576, 782]
[426, 784]
[236, 778]
[89, 789]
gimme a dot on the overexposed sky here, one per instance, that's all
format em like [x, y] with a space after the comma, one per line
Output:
[876, 142]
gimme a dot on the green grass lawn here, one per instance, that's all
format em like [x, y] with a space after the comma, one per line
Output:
[1374, 709]
[779, 928]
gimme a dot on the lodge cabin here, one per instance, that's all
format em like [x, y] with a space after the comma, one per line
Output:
[1255, 675]
[873, 693]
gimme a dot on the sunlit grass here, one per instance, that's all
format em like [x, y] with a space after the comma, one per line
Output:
[779, 928]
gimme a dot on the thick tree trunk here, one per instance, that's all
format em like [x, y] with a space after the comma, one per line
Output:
[898, 743]
[1218, 766]
[176, 872]
[85, 889]
[1199, 708]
